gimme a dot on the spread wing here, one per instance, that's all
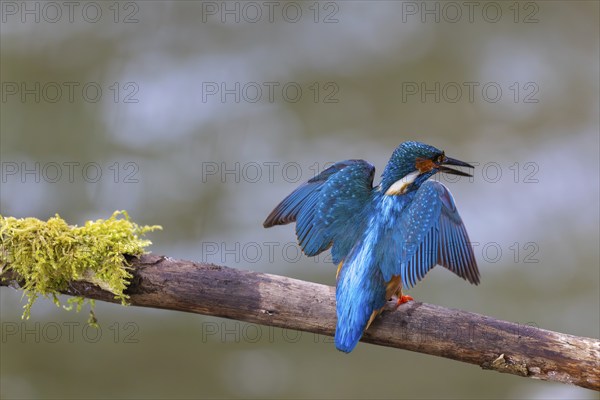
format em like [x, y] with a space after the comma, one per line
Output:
[328, 208]
[431, 232]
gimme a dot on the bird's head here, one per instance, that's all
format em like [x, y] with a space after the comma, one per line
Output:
[412, 163]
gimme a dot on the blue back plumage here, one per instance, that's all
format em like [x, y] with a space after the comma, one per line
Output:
[401, 228]
[360, 290]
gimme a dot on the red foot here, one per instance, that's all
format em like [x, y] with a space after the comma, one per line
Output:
[403, 299]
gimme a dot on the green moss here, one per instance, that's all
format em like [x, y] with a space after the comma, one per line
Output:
[49, 255]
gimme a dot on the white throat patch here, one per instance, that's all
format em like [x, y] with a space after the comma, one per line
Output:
[400, 186]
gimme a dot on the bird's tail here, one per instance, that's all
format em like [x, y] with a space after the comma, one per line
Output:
[360, 291]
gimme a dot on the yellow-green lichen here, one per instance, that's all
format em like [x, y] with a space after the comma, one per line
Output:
[48, 255]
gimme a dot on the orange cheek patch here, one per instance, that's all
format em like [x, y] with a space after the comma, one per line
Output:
[424, 165]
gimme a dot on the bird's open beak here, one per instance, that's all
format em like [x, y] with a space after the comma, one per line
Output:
[451, 161]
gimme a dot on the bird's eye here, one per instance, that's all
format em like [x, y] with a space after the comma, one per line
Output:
[440, 158]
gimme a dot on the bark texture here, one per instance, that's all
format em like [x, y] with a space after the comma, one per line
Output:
[163, 282]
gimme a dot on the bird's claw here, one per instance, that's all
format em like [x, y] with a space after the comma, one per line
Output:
[395, 302]
[403, 299]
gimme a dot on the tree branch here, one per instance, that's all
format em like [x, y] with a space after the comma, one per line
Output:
[162, 282]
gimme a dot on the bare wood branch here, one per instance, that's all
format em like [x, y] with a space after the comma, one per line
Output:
[162, 282]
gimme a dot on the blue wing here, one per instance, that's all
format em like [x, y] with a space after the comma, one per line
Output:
[328, 208]
[430, 232]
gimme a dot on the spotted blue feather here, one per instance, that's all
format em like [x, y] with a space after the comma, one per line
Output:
[328, 208]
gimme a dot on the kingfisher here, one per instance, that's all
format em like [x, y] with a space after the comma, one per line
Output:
[383, 238]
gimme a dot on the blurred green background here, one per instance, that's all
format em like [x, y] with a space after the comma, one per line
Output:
[201, 116]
